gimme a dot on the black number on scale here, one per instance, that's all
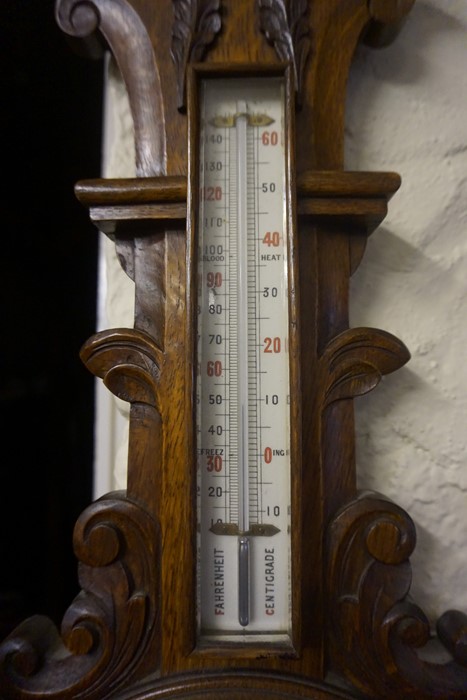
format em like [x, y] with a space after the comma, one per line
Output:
[270, 291]
[272, 398]
[213, 249]
[217, 339]
[268, 187]
[212, 165]
[215, 491]
[212, 222]
[215, 308]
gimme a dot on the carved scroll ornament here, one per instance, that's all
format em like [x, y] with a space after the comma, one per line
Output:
[370, 542]
[110, 628]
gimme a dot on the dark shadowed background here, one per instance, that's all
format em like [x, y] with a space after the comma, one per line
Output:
[50, 117]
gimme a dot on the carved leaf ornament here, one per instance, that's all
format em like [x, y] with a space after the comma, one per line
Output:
[288, 31]
[196, 24]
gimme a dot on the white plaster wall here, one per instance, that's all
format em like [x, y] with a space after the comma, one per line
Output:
[407, 112]
[116, 291]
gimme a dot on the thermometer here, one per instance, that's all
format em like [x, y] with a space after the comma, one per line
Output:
[243, 382]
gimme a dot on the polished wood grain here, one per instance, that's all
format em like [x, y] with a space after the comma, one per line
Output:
[131, 634]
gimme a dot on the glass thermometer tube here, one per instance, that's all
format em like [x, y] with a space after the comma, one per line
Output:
[243, 403]
[242, 350]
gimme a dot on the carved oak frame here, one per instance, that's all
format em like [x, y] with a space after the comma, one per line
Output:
[130, 631]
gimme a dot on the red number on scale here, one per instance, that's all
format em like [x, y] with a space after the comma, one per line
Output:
[214, 369]
[272, 238]
[214, 279]
[211, 194]
[214, 463]
[272, 345]
[270, 138]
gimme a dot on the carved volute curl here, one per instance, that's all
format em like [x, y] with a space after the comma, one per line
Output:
[195, 26]
[123, 29]
[369, 543]
[128, 361]
[286, 28]
[354, 362]
[110, 629]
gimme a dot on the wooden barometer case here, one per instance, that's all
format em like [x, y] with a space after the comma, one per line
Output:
[241, 561]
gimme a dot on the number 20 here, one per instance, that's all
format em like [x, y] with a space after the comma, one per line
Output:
[272, 345]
